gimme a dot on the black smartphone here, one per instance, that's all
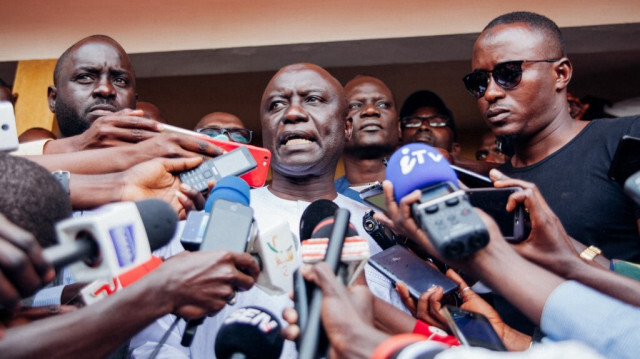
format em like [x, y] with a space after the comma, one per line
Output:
[472, 179]
[229, 228]
[374, 197]
[626, 160]
[472, 329]
[232, 163]
[400, 265]
[514, 225]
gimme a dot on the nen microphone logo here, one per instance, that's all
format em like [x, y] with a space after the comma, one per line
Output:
[411, 158]
[124, 244]
[253, 317]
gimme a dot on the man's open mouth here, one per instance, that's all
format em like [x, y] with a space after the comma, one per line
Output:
[296, 138]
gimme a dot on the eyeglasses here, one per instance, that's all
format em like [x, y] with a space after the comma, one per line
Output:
[417, 121]
[506, 74]
[241, 135]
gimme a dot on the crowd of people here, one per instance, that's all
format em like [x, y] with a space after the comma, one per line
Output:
[570, 289]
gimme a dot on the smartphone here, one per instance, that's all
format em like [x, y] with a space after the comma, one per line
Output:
[232, 163]
[514, 225]
[262, 156]
[194, 228]
[472, 329]
[472, 179]
[8, 132]
[374, 197]
[400, 265]
[626, 160]
[230, 227]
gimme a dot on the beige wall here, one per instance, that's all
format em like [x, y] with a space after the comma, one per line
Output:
[34, 29]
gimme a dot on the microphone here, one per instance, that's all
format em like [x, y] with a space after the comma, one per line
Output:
[249, 333]
[444, 211]
[355, 251]
[113, 239]
[310, 338]
[103, 288]
[632, 187]
[314, 213]
[230, 227]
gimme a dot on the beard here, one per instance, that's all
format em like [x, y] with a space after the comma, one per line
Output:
[69, 121]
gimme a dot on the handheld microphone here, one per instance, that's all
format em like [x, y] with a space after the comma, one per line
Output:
[113, 239]
[314, 213]
[249, 333]
[103, 288]
[310, 338]
[632, 187]
[229, 228]
[444, 211]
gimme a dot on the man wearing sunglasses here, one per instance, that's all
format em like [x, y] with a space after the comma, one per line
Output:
[519, 79]
[224, 124]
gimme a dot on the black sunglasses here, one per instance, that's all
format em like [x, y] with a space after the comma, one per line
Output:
[241, 135]
[506, 74]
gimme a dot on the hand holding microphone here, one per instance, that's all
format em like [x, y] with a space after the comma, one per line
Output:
[441, 210]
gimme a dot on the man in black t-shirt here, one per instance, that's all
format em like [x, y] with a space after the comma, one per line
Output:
[520, 78]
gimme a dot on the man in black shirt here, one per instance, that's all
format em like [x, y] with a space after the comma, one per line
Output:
[520, 78]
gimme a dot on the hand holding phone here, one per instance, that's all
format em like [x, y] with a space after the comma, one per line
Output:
[472, 329]
[400, 265]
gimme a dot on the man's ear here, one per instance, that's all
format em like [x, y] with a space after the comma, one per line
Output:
[52, 93]
[348, 129]
[564, 71]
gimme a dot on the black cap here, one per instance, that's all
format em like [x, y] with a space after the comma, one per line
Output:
[426, 98]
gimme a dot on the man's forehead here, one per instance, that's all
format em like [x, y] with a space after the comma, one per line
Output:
[98, 53]
[366, 86]
[303, 78]
[508, 42]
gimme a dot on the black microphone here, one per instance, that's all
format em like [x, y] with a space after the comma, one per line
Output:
[310, 339]
[249, 333]
[315, 213]
[632, 187]
[109, 234]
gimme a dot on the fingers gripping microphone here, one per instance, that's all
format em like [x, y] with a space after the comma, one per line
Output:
[113, 239]
[249, 333]
[443, 212]
[229, 228]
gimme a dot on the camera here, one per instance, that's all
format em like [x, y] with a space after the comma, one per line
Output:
[381, 234]
[446, 216]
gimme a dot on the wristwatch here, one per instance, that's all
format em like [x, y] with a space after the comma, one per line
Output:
[590, 252]
[63, 179]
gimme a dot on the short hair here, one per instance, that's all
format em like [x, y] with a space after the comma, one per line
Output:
[32, 198]
[65, 54]
[426, 98]
[536, 22]
[361, 75]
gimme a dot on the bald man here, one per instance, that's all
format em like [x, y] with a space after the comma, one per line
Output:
[223, 123]
[304, 125]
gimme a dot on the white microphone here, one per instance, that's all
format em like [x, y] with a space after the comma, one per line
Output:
[115, 238]
[275, 249]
